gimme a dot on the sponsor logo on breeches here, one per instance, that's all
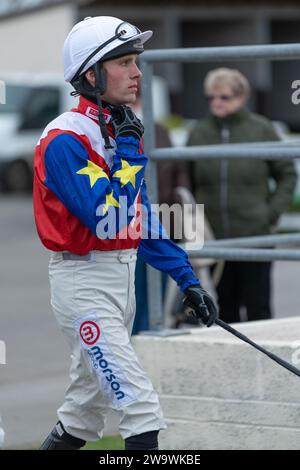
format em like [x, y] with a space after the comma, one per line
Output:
[98, 361]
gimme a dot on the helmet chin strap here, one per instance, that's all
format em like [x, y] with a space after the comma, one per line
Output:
[83, 87]
[100, 86]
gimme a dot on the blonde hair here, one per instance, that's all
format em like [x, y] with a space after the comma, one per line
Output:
[237, 82]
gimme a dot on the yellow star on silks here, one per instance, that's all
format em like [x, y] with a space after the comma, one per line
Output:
[127, 173]
[94, 172]
[110, 201]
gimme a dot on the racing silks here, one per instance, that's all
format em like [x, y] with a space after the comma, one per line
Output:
[88, 198]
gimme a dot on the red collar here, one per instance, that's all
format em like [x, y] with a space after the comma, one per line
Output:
[90, 109]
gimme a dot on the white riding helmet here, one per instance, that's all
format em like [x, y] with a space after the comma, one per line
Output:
[101, 37]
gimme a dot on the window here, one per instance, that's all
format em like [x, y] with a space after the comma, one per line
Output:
[16, 95]
[40, 107]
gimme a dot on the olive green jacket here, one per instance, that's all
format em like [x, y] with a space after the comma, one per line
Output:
[242, 197]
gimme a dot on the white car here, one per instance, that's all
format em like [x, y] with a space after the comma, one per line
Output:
[30, 103]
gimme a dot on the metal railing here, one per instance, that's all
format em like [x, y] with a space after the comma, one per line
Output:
[259, 150]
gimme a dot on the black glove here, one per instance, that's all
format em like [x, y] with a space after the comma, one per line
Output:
[125, 123]
[201, 303]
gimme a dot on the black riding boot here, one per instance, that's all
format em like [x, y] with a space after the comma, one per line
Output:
[144, 441]
[59, 439]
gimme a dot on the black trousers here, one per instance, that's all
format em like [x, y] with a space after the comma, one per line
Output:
[247, 286]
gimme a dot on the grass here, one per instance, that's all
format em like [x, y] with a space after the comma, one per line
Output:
[295, 205]
[106, 443]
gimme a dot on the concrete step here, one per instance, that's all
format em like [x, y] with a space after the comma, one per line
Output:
[192, 435]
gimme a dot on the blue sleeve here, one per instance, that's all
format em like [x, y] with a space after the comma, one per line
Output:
[160, 252]
[88, 192]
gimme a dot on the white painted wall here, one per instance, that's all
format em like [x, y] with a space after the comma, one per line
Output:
[33, 43]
